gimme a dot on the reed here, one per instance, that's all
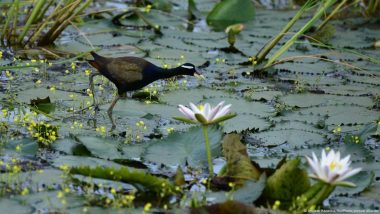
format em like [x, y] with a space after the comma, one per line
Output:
[324, 5]
[42, 25]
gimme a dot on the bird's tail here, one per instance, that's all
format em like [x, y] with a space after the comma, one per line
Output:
[98, 61]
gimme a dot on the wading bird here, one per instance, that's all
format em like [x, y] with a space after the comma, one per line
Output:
[132, 73]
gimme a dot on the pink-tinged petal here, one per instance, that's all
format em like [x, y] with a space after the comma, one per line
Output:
[330, 157]
[328, 174]
[323, 157]
[313, 165]
[215, 110]
[206, 111]
[345, 160]
[337, 156]
[223, 111]
[195, 109]
[187, 112]
[349, 174]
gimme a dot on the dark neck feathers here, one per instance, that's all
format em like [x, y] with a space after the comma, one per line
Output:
[161, 73]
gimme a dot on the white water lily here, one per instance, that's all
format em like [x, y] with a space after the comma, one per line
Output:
[331, 169]
[206, 114]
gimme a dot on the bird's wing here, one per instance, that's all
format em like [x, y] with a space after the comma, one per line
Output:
[125, 71]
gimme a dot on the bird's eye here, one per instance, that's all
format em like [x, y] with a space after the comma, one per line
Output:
[187, 66]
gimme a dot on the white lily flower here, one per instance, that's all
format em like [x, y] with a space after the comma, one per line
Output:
[331, 169]
[206, 114]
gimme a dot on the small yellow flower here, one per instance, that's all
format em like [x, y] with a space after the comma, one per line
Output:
[16, 169]
[52, 89]
[8, 74]
[148, 8]
[103, 129]
[33, 61]
[64, 167]
[18, 148]
[67, 190]
[276, 205]
[38, 82]
[87, 72]
[147, 207]
[113, 191]
[25, 191]
[231, 184]
[73, 66]
[108, 201]
[5, 112]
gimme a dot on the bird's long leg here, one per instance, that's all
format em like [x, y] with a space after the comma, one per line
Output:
[110, 109]
[92, 87]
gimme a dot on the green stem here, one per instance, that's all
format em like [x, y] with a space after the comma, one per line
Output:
[208, 150]
[31, 19]
[332, 14]
[155, 27]
[321, 195]
[10, 14]
[324, 6]
[260, 56]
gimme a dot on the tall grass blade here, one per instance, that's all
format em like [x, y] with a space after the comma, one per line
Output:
[30, 20]
[324, 6]
[63, 26]
[7, 21]
[332, 14]
[63, 15]
[260, 56]
[40, 28]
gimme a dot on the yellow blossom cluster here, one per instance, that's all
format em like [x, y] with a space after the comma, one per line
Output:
[43, 132]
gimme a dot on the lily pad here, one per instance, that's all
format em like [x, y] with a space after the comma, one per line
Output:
[179, 148]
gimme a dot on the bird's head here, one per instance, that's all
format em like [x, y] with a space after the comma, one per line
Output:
[191, 70]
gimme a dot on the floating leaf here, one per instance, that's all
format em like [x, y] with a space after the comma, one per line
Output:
[137, 178]
[250, 191]
[228, 207]
[230, 12]
[239, 164]
[287, 182]
[179, 148]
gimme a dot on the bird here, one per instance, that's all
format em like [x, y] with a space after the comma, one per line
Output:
[132, 73]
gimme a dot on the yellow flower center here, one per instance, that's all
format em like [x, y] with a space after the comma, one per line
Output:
[334, 164]
[201, 107]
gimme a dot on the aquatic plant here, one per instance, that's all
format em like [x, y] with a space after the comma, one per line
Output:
[42, 24]
[206, 115]
[331, 169]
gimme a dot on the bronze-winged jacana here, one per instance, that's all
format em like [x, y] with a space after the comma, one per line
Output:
[132, 73]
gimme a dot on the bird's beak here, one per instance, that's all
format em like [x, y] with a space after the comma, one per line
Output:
[199, 75]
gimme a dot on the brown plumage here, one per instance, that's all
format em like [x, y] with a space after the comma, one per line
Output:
[132, 73]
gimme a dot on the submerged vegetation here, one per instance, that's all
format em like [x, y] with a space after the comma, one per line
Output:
[297, 102]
